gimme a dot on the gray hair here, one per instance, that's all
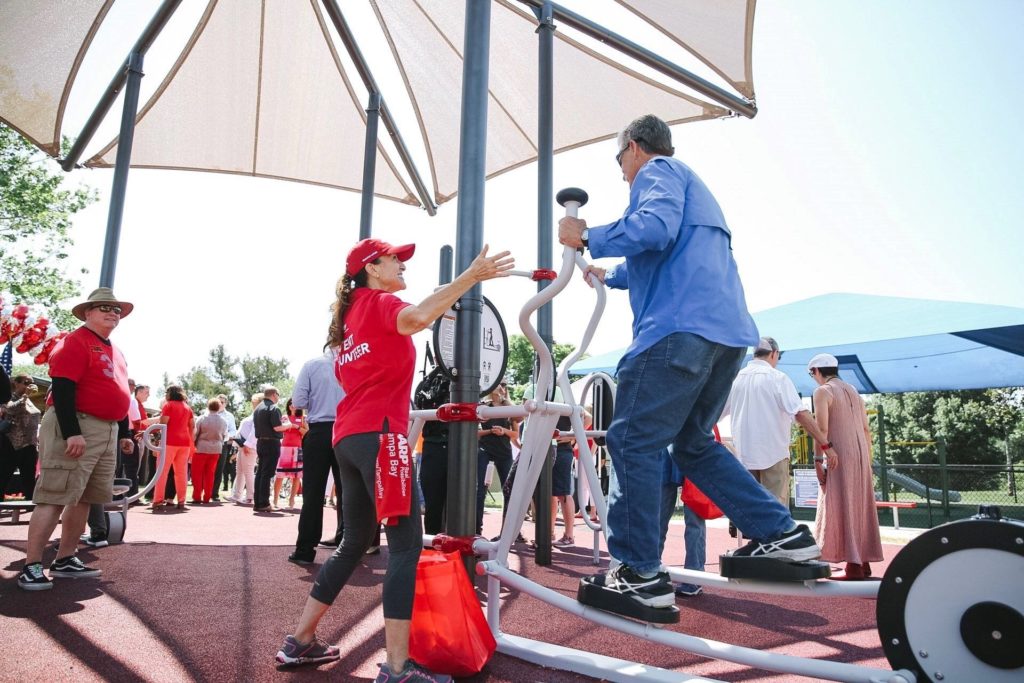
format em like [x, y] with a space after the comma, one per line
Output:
[766, 346]
[651, 133]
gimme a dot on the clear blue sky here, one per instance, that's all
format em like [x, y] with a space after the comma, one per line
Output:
[884, 160]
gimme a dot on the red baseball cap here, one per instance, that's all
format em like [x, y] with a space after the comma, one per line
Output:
[370, 249]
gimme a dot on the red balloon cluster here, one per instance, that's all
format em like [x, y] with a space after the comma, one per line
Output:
[28, 329]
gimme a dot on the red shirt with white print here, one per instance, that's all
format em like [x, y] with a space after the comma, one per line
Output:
[98, 370]
[375, 366]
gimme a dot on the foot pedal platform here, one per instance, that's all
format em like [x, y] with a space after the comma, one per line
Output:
[770, 569]
[599, 597]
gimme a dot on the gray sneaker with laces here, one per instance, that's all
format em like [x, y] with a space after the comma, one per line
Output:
[294, 653]
[32, 578]
[72, 568]
[411, 673]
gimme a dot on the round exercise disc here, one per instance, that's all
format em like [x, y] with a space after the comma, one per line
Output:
[950, 606]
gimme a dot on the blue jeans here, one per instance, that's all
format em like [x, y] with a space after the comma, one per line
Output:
[695, 533]
[673, 394]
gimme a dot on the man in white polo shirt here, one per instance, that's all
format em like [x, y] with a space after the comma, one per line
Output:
[763, 403]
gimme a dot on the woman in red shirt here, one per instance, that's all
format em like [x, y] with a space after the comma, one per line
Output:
[181, 424]
[289, 466]
[376, 362]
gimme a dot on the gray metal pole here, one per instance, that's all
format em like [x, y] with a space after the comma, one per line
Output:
[124, 159]
[462, 451]
[655, 61]
[545, 197]
[349, 41]
[444, 270]
[369, 165]
[149, 34]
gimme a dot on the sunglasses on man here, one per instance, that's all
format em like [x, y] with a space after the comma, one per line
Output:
[108, 308]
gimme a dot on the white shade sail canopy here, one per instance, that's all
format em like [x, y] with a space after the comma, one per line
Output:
[593, 96]
[717, 32]
[42, 43]
[258, 89]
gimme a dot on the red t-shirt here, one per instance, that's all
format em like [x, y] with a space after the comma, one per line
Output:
[99, 372]
[375, 366]
[178, 433]
[293, 437]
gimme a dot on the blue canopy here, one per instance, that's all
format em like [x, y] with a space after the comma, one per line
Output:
[889, 344]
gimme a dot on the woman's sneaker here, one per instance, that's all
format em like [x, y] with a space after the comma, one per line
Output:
[797, 545]
[73, 568]
[32, 578]
[293, 653]
[411, 673]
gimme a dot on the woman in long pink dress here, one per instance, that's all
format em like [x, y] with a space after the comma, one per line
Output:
[846, 526]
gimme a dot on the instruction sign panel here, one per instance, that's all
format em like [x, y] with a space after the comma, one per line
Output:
[805, 488]
[493, 346]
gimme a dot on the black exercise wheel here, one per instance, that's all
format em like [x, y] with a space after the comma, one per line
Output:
[951, 605]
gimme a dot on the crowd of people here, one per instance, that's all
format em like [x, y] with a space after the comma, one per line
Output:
[678, 378]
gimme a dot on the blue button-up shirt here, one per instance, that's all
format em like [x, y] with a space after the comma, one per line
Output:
[317, 390]
[679, 267]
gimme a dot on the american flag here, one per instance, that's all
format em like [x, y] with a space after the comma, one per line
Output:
[7, 358]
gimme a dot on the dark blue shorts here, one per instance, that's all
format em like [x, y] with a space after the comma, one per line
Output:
[561, 474]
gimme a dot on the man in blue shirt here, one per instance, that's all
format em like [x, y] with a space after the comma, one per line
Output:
[691, 330]
[318, 392]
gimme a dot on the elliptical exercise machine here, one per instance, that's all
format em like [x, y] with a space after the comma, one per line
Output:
[949, 607]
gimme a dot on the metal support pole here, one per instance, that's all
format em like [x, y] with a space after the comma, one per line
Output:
[940, 446]
[883, 461]
[545, 196]
[369, 165]
[349, 40]
[124, 159]
[462, 451]
[444, 270]
[149, 34]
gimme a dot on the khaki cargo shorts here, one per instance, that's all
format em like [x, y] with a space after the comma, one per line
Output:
[67, 481]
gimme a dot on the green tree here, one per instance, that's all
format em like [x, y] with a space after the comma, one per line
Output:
[981, 427]
[521, 362]
[238, 379]
[36, 213]
[37, 371]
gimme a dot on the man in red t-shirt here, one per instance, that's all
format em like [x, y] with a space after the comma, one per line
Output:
[86, 421]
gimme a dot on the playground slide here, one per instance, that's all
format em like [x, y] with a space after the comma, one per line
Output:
[916, 487]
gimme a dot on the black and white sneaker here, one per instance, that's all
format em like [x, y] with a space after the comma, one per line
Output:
[94, 541]
[72, 568]
[654, 591]
[32, 578]
[797, 545]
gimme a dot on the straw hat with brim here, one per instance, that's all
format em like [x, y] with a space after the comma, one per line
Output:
[103, 295]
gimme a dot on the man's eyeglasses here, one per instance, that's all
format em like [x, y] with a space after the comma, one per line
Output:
[618, 157]
[108, 308]
[504, 384]
[811, 373]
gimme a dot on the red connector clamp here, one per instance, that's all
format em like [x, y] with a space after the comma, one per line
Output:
[457, 412]
[450, 544]
[543, 274]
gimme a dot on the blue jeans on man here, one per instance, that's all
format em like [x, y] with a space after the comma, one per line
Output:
[672, 394]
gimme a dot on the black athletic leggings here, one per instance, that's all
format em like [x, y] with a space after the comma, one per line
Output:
[357, 458]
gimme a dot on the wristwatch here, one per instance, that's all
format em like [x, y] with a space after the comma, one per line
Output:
[585, 237]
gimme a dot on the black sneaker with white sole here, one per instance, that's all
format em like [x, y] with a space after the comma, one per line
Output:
[72, 568]
[32, 578]
[797, 545]
[94, 541]
[654, 591]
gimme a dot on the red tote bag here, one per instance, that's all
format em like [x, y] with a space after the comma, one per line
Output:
[695, 499]
[449, 633]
